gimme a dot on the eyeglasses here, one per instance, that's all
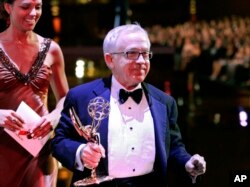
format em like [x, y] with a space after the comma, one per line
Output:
[134, 55]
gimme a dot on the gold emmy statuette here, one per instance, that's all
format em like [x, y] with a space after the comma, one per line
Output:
[98, 109]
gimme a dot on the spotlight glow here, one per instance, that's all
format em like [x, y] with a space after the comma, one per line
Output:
[80, 68]
[243, 118]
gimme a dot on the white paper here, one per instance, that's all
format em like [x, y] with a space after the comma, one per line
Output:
[30, 117]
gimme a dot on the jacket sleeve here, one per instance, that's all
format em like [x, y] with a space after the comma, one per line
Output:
[66, 139]
[178, 154]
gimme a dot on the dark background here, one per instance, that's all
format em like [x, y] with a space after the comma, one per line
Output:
[225, 145]
[82, 23]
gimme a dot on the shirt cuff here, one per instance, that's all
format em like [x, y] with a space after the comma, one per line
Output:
[78, 162]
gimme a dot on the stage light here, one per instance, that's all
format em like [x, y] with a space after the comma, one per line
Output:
[243, 117]
[80, 68]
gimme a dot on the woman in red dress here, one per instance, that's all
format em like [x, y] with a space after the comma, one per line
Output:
[29, 65]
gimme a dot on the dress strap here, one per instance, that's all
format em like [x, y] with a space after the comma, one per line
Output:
[39, 60]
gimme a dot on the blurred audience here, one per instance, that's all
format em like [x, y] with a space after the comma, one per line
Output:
[216, 49]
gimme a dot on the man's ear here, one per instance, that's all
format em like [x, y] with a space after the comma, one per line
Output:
[109, 60]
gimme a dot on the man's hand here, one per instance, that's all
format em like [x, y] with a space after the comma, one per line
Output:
[196, 165]
[91, 155]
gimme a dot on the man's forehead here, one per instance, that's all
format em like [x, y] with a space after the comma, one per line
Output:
[133, 40]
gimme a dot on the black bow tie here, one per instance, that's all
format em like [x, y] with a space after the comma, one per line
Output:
[136, 95]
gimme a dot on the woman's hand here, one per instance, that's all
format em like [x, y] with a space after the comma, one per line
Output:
[10, 120]
[41, 130]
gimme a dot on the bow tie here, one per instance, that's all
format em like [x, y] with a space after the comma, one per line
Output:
[135, 95]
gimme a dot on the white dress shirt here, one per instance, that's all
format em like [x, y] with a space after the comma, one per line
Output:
[131, 140]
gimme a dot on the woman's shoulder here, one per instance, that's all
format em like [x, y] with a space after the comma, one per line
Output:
[53, 45]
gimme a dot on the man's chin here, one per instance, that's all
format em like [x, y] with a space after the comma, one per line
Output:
[138, 78]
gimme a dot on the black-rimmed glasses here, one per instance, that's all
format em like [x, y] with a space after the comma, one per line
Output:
[134, 55]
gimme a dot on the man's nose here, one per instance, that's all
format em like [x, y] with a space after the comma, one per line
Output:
[140, 59]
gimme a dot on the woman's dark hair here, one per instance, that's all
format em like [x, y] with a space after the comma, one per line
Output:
[3, 14]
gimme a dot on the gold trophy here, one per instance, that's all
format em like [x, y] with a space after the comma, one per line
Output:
[98, 109]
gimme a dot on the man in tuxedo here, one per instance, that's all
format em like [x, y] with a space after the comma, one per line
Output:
[139, 136]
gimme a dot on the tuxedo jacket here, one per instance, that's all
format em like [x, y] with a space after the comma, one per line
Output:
[168, 141]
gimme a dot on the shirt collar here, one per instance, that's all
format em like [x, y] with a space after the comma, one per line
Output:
[116, 86]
